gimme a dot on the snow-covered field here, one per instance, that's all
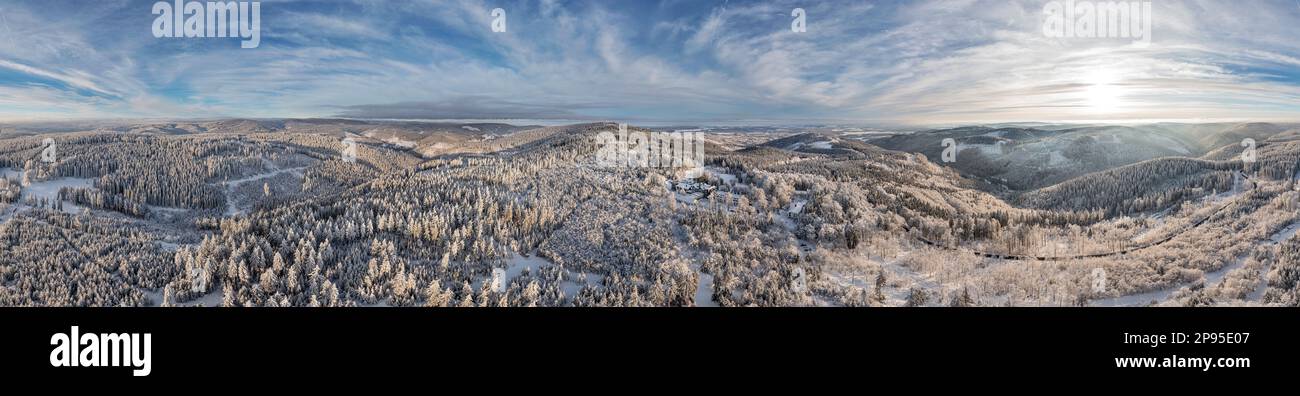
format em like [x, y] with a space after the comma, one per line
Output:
[49, 189]
[392, 139]
[819, 145]
[985, 149]
[572, 283]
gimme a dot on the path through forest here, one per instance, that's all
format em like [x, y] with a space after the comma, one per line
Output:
[231, 208]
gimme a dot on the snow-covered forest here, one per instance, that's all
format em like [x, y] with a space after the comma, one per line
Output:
[257, 214]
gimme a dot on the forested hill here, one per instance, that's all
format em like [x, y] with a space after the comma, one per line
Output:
[1144, 186]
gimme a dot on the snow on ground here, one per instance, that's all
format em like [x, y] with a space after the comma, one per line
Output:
[7, 211]
[212, 299]
[166, 212]
[168, 209]
[379, 304]
[796, 206]
[392, 139]
[819, 145]
[1161, 295]
[400, 142]
[860, 134]
[1237, 189]
[10, 173]
[822, 145]
[439, 146]
[1286, 233]
[703, 281]
[685, 197]
[985, 149]
[231, 208]
[721, 174]
[236, 182]
[704, 290]
[570, 285]
[1136, 300]
[783, 217]
[1057, 159]
[1283, 235]
[1212, 278]
[897, 274]
[896, 270]
[1258, 293]
[517, 264]
[785, 220]
[1156, 222]
[1170, 143]
[48, 189]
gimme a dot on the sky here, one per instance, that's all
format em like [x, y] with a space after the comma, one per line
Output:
[672, 61]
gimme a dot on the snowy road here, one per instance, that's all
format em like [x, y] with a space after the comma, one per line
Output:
[231, 208]
[704, 291]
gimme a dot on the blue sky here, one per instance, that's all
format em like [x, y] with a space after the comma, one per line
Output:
[673, 61]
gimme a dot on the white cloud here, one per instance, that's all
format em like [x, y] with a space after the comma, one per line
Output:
[915, 61]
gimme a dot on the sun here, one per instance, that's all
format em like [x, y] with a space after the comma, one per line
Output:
[1103, 93]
